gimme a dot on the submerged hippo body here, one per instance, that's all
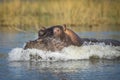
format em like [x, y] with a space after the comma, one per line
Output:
[105, 41]
[57, 37]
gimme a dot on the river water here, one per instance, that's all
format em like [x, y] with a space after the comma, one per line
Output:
[72, 63]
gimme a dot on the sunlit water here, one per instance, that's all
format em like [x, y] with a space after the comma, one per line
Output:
[72, 63]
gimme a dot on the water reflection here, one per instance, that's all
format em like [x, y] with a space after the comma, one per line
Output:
[60, 70]
[65, 70]
[56, 66]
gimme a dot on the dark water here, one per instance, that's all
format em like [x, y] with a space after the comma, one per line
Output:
[55, 70]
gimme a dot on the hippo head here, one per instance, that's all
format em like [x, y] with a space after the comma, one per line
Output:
[51, 31]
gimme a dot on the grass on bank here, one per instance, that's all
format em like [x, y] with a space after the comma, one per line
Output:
[25, 14]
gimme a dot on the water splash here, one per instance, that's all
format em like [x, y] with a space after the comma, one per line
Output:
[98, 50]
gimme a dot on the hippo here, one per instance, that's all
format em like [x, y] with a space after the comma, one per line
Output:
[52, 38]
[55, 38]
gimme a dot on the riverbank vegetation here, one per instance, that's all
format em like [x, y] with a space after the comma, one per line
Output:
[33, 14]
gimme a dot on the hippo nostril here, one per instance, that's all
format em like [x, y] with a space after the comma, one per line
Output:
[58, 30]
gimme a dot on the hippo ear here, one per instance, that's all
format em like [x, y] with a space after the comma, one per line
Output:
[42, 31]
[64, 27]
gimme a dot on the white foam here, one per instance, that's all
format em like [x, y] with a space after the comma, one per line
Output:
[72, 52]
